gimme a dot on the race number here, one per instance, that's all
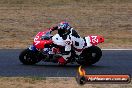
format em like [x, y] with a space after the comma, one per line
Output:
[94, 39]
[36, 41]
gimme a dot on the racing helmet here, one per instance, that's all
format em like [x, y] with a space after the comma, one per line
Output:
[64, 27]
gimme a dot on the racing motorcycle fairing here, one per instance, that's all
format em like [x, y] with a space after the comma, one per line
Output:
[93, 40]
[41, 39]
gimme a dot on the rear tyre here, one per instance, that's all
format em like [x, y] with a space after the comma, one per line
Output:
[90, 56]
[28, 57]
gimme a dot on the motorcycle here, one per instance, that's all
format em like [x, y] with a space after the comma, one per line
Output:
[49, 48]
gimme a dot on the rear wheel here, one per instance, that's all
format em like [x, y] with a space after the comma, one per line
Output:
[28, 57]
[90, 55]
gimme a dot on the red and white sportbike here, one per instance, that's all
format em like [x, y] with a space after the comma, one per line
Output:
[48, 48]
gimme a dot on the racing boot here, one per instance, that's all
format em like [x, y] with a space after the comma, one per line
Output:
[61, 61]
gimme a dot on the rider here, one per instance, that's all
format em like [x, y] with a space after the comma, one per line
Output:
[71, 38]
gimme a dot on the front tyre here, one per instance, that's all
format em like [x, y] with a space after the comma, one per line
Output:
[91, 55]
[28, 57]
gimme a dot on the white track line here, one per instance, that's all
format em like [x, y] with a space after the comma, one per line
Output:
[116, 49]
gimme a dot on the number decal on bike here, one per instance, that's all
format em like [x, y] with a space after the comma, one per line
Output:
[36, 41]
[94, 39]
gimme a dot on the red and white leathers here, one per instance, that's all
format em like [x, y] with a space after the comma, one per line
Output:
[77, 43]
[70, 40]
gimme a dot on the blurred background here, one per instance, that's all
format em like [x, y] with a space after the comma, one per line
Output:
[20, 20]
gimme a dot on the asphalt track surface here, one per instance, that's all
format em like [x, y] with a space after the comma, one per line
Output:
[112, 62]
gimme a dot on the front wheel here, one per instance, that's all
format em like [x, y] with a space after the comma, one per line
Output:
[90, 56]
[28, 57]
